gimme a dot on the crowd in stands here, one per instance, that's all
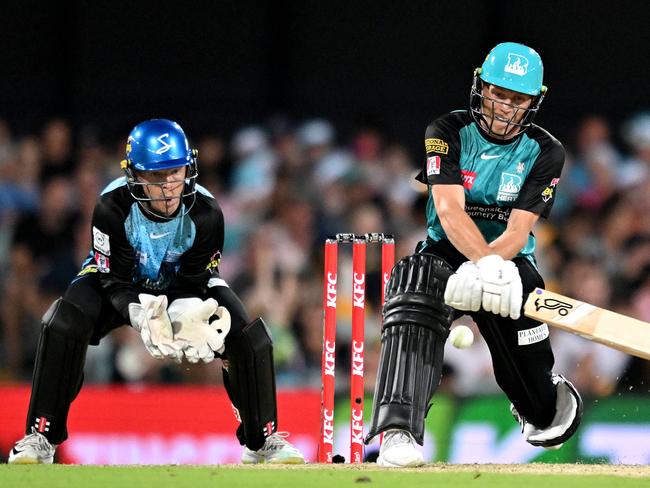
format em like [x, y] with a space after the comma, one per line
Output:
[283, 188]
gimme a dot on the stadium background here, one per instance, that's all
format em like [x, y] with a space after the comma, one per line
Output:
[247, 81]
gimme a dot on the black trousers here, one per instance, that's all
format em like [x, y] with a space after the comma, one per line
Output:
[523, 372]
[66, 372]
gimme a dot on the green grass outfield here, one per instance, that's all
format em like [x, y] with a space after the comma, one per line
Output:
[317, 476]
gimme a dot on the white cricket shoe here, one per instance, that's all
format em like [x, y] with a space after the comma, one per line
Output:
[34, 448]
[568, 413]
[399, 450]
[276, 450]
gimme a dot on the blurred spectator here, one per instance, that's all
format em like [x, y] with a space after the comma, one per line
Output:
[42, 262]
[58, 158]
[283, 189]
[636, 132]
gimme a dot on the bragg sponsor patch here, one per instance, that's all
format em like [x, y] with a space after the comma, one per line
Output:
[547, 194]
[214, 262]
[433, 165]
[436, 145]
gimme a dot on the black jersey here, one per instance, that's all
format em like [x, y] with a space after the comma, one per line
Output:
[497, 175]
[134, 252]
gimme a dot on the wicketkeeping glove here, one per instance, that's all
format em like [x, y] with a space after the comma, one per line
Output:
[149, 317]
[190, 319]
[502, 287]
[464, 288]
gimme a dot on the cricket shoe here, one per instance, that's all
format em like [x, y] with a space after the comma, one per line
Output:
[398, 450]
[568, 414]
[34, 448]
[276, 450]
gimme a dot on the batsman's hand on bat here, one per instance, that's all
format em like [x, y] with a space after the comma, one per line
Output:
[464, 288]
[150, 318]
[192, 325]
[502, 288]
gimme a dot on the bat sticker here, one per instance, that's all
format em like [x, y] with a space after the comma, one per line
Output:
[553, 304]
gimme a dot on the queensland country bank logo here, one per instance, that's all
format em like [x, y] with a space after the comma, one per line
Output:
[509, 187]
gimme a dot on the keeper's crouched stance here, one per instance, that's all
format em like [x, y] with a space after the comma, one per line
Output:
[157, 239]
[491, 173]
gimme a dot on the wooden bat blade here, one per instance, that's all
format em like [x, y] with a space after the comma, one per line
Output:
[596, 324]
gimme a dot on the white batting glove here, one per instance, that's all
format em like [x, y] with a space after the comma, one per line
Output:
[190, 322]
[502, 287]
[464, 288]
[149, 317]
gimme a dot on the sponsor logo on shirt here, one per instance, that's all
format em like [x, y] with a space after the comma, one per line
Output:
[531, 336]
[436, 145]
[103, 264]
[101, 242]
[433, 165]
[91, 268]
[468, 178]
[509, 187]
[489, 156]
[214, 262]
[547, 194]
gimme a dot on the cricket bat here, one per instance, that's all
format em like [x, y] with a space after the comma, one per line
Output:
[596, 324]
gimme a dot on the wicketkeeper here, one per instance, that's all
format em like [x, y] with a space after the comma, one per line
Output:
[157, 238]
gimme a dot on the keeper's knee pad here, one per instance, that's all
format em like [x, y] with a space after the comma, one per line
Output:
[251, 382]
[58, 372]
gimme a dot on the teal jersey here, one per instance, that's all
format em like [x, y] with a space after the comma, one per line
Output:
[497, 176]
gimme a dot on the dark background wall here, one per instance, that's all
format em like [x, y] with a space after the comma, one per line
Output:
[217, 65]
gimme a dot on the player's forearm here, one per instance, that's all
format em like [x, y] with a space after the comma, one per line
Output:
[508, 244]
[464, 234]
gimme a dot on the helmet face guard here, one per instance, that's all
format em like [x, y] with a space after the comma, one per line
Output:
[486, 123]
[157, 145]
[137, 189]
[514, 67]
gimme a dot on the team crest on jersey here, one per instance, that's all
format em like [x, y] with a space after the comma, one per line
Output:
[436, 145]
[433, 165]
[509, 187]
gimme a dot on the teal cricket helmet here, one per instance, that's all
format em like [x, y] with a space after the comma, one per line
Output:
[515, 67]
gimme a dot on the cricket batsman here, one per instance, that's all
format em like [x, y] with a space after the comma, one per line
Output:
[157, 238]
[491, 173]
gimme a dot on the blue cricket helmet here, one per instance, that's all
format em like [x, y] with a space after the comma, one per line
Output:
[154, 145]
[158, 144]
[515, 67]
